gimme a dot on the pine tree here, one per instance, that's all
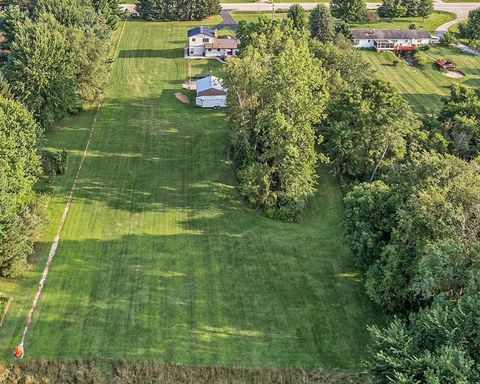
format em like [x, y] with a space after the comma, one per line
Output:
[321, 23]
[167, 10]
[425, 8]
[296, 13]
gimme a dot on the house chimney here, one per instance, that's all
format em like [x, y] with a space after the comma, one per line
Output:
[215, 33]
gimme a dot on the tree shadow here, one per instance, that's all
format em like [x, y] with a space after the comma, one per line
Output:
[153, 53]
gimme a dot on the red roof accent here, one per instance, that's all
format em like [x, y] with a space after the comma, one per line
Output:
[212, 92]
[405, 47]
[445, 63]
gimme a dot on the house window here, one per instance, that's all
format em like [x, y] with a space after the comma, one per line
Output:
[209, 49]
[206, 40]
[355, 42]
[218, 49]
[192, 52]
[369, 41]
[193, 39]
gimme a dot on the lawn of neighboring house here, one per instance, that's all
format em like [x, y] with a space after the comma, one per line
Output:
[161, 259]
[430, 23]
[425, 87]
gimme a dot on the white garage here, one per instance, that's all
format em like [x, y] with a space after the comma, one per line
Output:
[210, 93]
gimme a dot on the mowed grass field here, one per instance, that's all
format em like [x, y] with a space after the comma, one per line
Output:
[430, 23]
[425, 87]
[161, 259]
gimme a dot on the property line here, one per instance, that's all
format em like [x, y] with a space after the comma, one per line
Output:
[68, 204]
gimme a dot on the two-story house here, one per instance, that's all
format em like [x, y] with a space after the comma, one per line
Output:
[204, 42]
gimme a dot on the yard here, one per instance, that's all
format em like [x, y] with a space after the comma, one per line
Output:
[425, 87]
[161, 259]
[430, 23]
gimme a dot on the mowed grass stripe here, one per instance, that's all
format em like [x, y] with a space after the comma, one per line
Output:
[161, 259]
[425, 87]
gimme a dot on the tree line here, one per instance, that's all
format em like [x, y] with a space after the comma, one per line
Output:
[170, 10]
[55, 59]
[356, 10]
[400, 8]
[412, 203]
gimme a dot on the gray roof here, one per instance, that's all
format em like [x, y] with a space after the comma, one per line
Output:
[386, 34]
[209, 82]
[201, 30]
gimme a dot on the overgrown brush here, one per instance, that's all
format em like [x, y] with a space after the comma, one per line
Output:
[146, 372]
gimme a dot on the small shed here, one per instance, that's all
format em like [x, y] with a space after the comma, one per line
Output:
[446, 64]
[210, 93]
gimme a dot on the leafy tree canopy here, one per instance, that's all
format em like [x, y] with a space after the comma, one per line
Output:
[349, 10]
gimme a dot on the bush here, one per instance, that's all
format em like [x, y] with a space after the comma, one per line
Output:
[395, 62]
[54, 163]
[425, 47]
[288, 211]
[420, 61]
[448, 39]
[462, 30]
[412, 26]
[372, 17]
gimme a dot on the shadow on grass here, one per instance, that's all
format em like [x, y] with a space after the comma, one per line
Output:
[155, 53]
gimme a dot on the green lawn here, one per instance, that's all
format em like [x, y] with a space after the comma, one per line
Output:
[424, 88]
[253, 16]
[161, 259]
[430, 23]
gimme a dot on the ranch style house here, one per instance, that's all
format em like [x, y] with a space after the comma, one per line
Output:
[203, 42]
[391, 39]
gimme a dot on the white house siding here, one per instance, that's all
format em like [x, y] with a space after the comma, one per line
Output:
[400, 42]
[364, 43]
[220, 52]
[211, 101]
[196, 44]
[197, 40]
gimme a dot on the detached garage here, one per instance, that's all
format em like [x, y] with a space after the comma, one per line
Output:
[210, 93]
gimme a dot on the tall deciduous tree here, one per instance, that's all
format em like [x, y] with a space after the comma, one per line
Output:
[346, 65]
[19, 165]
[349, 10]
[370, 215]
[321, 23]
[460, 121]
[40, 69]
[471, 30]
[364, 130]
[392, 8]
[276, 93]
